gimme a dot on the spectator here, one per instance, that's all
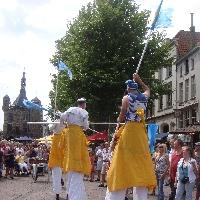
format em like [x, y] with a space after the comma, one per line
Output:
[22, 165]
[99, 161]
[186, 174]
[1, 162]
[171, 151]
[19, 148]
[104, 169]
[10, 162]
[161, 168]
[176, 156]
[92, 159]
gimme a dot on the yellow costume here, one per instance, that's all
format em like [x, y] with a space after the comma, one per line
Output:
[131, 164]
[56, 152]
[76, 156]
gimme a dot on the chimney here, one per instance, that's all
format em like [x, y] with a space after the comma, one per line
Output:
[192, 28]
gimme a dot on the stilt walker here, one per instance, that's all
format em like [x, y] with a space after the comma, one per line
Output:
[76, 156]
[56, 158]
[131, 164]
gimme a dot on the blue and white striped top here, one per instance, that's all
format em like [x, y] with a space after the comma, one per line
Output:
[136, 101]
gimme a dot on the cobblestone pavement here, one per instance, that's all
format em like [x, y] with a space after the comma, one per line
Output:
[23, 188]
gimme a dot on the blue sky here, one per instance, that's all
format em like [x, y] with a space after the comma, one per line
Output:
[29, 28]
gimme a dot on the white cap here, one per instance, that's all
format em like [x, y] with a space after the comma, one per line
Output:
[82, 99]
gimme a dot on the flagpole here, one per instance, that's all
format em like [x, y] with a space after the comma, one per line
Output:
[56, 93]
[149, 35]
[143, 52]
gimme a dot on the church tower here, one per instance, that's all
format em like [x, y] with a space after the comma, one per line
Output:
[16, 115]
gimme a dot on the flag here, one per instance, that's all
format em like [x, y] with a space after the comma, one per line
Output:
[33, 106]
[152, 130]
[63, 67]
[163, 17]
[156, 16]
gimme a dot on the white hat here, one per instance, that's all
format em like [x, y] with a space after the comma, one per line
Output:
[82, 99]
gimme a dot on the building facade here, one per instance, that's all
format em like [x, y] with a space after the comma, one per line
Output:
[180, 108]
[16, 115]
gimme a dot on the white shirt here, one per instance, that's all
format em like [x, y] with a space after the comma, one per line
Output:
[105, 154]
[99, 155]
[77, 116]
[191, 174]
[56, 128]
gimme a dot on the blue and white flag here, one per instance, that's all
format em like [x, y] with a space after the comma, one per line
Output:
[63, 67]
[163, 17]
[152, 131]
[33, 106]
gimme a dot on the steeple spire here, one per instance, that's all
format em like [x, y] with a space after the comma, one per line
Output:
[22, 95]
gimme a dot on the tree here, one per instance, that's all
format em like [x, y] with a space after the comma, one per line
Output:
[102, 46]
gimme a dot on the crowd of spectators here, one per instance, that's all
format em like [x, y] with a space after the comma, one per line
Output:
[176, 166]
[15, 157]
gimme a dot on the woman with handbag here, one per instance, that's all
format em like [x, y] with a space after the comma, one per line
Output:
[186, 174]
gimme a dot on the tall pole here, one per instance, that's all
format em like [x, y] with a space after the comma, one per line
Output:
[143, 52]
[56, 93]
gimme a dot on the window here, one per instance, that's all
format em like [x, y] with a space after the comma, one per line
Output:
[186, 67]
[186, 89]
[25, 130]
[169, 96]
[187, 118]
[160, 103]
[192, 63]
[193, 87]
[181, 120]
[181, 71]
[10, 117]
[168, 71]
[160, 74]
[193, 116]
[181, 92]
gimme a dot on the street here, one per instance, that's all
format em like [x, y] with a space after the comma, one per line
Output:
[24, 188]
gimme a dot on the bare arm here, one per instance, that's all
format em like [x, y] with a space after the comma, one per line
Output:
[145, 88]
[124, 107]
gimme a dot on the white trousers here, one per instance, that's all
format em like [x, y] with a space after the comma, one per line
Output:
[23, 165]
[139, 193]
[56, 177]
[75, 186]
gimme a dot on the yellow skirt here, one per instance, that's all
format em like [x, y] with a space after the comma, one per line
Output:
[131, 164]
[76, 155]
[56, 152]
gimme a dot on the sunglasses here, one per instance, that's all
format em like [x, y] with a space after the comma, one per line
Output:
[160, 147]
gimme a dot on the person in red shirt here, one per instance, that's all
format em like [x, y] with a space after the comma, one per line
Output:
[175, 157]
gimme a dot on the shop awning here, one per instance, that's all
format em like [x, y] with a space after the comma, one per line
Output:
[101, 136]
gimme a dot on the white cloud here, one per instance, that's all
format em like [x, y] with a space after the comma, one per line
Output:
[28, 30]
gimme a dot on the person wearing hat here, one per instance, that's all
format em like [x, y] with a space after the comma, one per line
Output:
[56, 157]
[76, 161]
[131, 165]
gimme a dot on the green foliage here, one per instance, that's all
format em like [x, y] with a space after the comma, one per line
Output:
[103, 46]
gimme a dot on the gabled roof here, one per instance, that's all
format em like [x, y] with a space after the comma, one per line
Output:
[185, 41]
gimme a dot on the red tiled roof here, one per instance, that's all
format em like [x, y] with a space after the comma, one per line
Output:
[185, 41]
